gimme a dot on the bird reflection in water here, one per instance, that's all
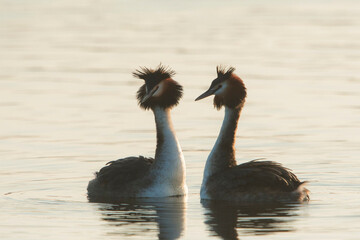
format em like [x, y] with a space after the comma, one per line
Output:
[139, 217]
[225, 219]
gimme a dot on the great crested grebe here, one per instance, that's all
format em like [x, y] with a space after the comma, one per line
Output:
[161, 176]
[254, 181]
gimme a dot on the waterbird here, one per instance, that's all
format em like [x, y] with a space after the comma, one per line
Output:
[161, 176]
[253, 181]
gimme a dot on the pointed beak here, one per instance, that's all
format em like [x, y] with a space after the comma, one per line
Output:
[209, 92]
[149, 94]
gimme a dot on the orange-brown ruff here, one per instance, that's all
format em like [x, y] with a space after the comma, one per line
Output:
[254, 181]
[161, 176]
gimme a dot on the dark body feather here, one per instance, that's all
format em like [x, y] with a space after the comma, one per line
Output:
[127, 175]
[255, 181]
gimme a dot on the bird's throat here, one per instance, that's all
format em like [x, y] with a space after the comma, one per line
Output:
[222, 155]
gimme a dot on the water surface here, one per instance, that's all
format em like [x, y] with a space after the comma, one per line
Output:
[68, 106]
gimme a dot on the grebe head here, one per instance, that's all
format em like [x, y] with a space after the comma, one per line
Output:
[228, 88]
[159, 88]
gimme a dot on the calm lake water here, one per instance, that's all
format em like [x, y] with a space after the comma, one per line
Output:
[68, 106]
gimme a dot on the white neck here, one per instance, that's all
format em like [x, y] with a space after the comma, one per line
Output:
[167, 143]
[169, 165]
[222, 155]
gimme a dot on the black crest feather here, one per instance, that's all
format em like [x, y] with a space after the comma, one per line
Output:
[160, 72]
[222, 72]
[152, 77]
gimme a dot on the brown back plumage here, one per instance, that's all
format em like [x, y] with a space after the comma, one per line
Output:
[120, 179]
[266, 180]
[123, 171]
